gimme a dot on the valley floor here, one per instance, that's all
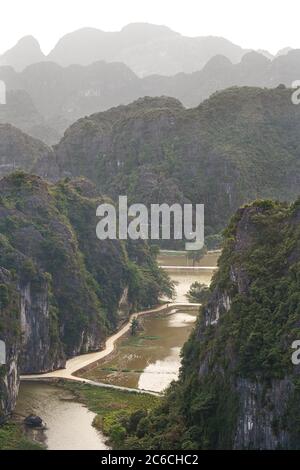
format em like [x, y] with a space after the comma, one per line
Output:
[109, 405]
[74, 365]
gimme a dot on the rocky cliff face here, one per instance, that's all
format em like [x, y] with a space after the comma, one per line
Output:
[238, 387]
[10, 336]
[260, 413]
[70, 289]
[257, 330]
[25, 329]
[37, 349]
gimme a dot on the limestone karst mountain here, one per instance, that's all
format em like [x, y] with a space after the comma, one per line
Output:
[240, 144]
[19, 150]
[61, 291]
[27, 51]
[145, 48]
[157, 151]
[238, 387]
[61, 95]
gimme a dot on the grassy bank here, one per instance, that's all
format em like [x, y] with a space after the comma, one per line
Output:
[12, 438]
[115, 409]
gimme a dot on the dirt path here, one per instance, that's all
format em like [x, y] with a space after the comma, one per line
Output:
[79, 362]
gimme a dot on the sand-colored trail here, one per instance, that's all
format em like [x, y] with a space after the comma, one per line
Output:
[84, 360]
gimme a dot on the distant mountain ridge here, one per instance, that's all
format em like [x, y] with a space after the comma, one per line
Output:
[146, 48]
[27, 51]
[45, 99]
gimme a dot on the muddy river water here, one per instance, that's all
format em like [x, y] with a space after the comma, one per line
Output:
[68, 423]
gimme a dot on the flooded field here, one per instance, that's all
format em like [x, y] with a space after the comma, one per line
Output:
[180, 258]
[151, 359]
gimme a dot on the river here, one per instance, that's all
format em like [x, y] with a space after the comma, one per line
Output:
[68, 423]
[149, 361]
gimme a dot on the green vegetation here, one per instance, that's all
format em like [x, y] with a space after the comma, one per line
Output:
[79, 288]
[12, 438]
[214, 242]
[197, 255]
[48, 241]
[134, 326]
[239, 145]
[118, 412]
[259, 275]
[138, 339]
[10, 333]
[198, 293]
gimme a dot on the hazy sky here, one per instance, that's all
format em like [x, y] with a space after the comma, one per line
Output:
[257, 24]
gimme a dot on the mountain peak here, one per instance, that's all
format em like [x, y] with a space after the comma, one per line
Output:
[254, 58]
[218, 62]
[27, 51]
[146, 48]
[139, 29]
[28, 41]
[266, 53]
[284, 51]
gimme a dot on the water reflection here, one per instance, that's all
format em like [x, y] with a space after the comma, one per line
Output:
[164, 371]
[151, 360]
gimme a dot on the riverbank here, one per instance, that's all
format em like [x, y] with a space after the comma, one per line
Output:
[74, 365]
[111, 404]
[12, 437]
[77, 416]
[106, 401]
[112, 407]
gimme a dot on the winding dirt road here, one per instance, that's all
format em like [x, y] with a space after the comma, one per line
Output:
[80, 362]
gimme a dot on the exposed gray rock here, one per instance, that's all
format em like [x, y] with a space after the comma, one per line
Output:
[37, 351]
[34, 421]
[9, 334]
[262, 410]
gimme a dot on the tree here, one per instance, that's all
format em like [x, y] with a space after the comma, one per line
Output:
[117, 434]
[198, 293]
[134, 326]
[197, 255]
